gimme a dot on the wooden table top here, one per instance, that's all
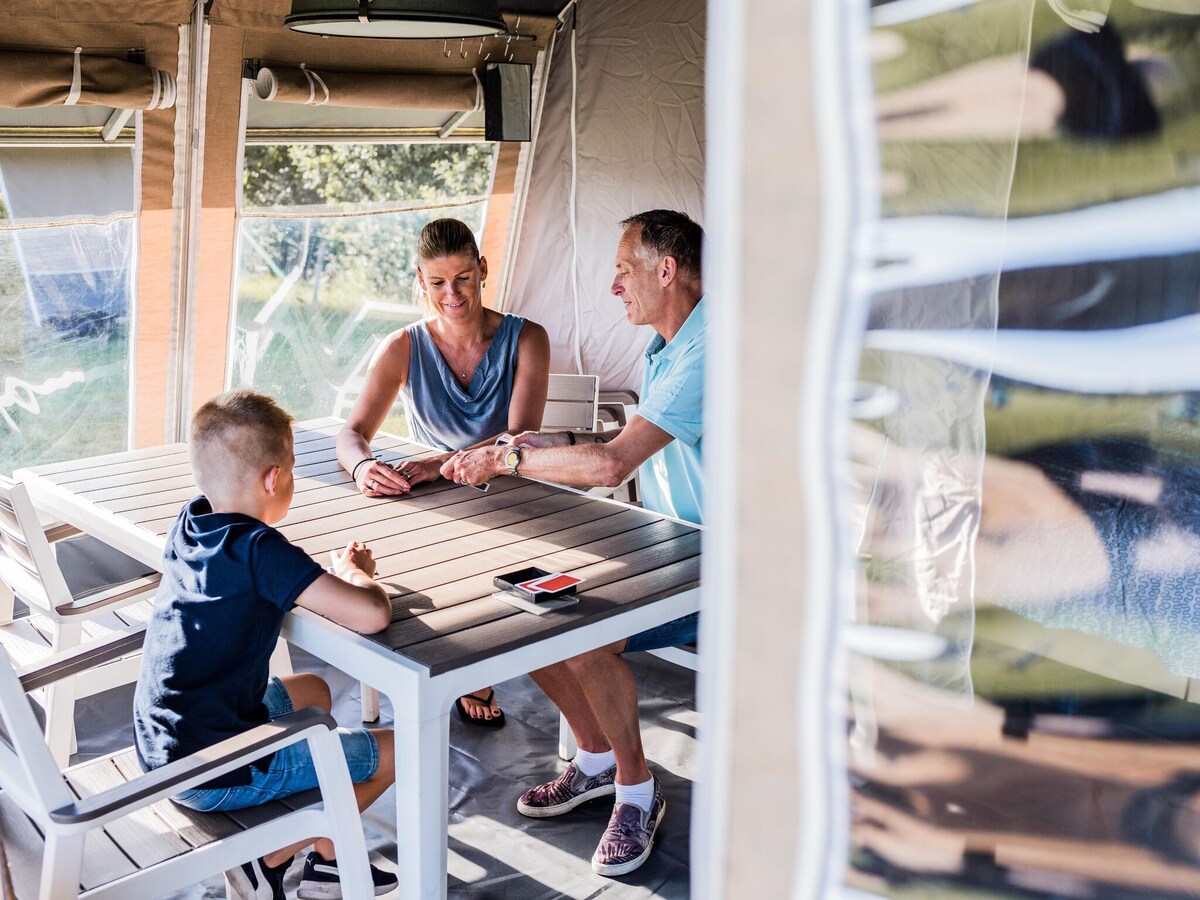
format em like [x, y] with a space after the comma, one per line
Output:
[437, 549]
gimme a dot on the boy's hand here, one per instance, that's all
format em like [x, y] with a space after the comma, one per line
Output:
[355, 556]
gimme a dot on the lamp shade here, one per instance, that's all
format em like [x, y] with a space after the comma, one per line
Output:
[397, 18]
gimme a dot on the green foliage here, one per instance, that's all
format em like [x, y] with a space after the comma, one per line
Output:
[326, 174]
[369, 256]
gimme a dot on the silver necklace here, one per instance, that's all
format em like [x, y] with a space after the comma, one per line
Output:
[474, 359]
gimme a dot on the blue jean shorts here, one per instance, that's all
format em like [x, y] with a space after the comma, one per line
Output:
[670, 634]
[291, 770]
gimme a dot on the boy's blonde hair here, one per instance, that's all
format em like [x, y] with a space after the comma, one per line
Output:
[235, 436]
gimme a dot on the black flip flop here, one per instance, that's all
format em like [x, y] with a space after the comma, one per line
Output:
[496, 721]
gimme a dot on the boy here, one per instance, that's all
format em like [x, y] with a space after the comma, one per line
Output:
[228, 579]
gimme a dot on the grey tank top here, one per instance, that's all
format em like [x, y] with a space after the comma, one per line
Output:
[441, 413]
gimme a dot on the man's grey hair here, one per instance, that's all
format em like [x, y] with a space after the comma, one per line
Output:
[665, 232]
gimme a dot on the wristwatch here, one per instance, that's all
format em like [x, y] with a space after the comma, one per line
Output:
[512, 459]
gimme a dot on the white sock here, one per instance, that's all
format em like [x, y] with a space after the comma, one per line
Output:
[594, 763]
[641, 794]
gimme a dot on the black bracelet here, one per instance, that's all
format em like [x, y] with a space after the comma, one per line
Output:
[571, 437]
[354, 471]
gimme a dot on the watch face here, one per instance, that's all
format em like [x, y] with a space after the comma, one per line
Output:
[512, 458]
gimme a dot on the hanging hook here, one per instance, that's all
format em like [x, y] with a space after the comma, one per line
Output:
[489, 53]
[462, 48]
[516, 27]
[446, 49]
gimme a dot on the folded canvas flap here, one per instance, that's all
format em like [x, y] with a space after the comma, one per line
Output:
[34, 79]
[321, 86]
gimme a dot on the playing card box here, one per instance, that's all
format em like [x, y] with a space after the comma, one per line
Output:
[536, 584]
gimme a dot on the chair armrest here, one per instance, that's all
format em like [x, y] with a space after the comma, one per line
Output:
[90, 601]
[202, 766]
[626, 398]
[58, 531]
[80, 659]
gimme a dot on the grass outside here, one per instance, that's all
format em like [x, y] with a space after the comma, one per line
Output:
[971, 178]
[61, 397]
[83, 417]
[89, 414]
[311, 350]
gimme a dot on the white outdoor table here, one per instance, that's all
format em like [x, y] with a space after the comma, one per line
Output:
[437, 551]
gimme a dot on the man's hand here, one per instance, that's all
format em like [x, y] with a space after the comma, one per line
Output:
[356, 557]
[475, 466]
[542, 439]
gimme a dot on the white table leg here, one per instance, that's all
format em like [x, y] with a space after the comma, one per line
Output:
[566, 739]
[281, 659]
[370, 703]
[422, 774]
[7, 602]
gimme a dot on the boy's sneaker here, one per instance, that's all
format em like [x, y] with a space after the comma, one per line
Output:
[566, 792]
[321, 882]
[629, 837]
[256, 880]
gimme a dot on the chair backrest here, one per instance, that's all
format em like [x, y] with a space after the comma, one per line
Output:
[571, 403]
[27, 770]
[27, 563]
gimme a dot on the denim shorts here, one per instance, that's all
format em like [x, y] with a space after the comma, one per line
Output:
[291, 770]
[671, 634]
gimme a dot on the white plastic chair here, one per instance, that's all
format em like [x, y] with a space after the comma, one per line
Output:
[103, 829]
[576, 403]
[58, 619]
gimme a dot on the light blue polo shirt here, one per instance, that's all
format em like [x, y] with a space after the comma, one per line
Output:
[672, 480]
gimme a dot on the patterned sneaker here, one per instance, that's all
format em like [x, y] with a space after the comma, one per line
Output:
[629, 837]
[321, 882]
[256, 880]
[566, 792]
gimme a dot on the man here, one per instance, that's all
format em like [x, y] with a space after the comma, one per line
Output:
[658, 281]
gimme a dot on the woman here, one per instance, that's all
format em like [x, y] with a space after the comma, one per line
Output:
[467, 374]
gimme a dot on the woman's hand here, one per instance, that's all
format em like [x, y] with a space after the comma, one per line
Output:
[542, 439]
[379, 479]
[415, 471]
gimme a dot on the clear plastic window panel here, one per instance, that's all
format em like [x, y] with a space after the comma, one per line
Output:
[327, 260]
[66, 303]
[1026, 455]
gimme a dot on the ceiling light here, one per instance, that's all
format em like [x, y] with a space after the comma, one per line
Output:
[397, 18]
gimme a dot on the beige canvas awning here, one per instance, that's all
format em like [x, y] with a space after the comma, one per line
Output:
[33, 79]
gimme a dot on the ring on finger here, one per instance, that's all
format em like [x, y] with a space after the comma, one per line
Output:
[371, 484]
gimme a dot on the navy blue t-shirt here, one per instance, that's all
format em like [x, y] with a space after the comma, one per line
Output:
[228, 580]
